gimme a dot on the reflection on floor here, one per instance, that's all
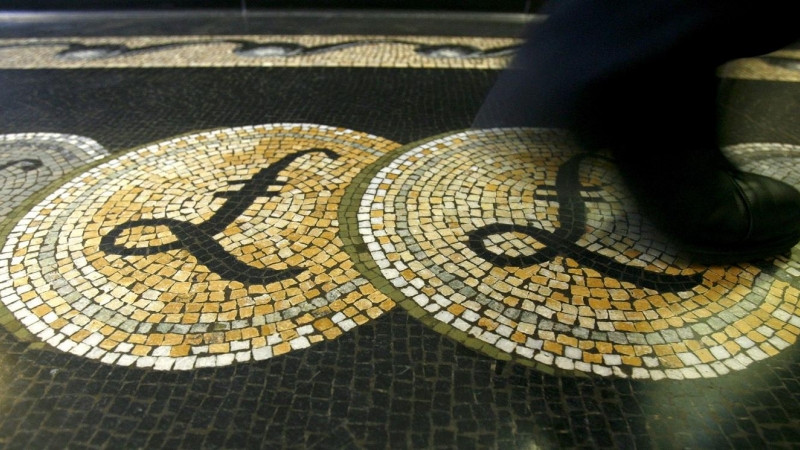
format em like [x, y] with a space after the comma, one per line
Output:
[262, 241]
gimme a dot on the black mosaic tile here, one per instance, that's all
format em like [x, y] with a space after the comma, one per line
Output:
[210, 98]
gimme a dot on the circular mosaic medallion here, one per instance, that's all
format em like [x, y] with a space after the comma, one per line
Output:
[200, 251]
[29, 161]
[516, 243]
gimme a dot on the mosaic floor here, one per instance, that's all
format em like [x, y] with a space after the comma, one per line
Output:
[292, 241]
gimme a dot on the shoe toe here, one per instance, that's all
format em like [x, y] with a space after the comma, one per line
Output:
[773, 207]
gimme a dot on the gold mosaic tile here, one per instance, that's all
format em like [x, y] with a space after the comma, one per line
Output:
[259, 51]
[782, 65]
[518, 240]
[199, 251]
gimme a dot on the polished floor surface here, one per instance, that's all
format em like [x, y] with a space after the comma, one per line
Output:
[275, 230]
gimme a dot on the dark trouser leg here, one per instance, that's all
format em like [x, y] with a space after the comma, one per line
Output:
[623, 71]
[638, 78]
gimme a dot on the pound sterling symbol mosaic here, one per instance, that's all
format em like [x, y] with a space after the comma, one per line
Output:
[26, 164]
[563, 240]
[199, 239]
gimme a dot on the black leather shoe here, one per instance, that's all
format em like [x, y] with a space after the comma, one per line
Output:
[719, 215]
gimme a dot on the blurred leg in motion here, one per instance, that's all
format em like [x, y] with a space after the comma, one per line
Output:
[639, 79]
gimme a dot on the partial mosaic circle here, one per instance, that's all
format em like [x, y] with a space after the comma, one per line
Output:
[516, 242]
[29, 161]
[199, 251]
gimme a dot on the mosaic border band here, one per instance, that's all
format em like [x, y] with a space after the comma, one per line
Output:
[259, 51]
[311, 51]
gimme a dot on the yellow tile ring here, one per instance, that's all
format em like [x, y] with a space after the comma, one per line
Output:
[515, 243]
[199, 251]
